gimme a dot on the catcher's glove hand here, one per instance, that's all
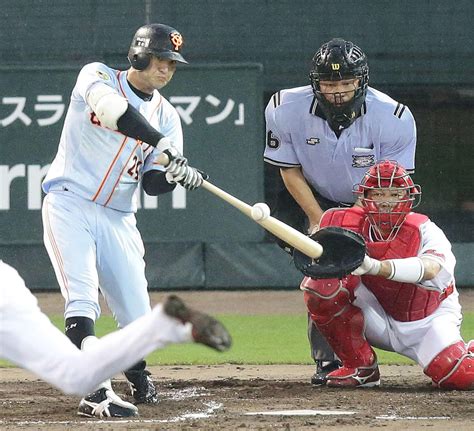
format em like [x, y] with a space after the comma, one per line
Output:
[343, 252]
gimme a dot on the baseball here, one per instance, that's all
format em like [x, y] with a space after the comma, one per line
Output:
[260, 211]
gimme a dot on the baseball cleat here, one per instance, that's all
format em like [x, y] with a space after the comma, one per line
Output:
[470, 346]
[142, 388]
[206, 330]
[361, 377]
[105, 403]
[323, 368]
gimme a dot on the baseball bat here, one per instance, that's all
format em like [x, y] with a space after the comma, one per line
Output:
[281, 230]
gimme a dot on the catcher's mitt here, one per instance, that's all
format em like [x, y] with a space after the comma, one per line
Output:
[343, 252]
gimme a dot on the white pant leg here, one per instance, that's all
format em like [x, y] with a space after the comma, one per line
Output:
[422, 340]
[30, 340]
[121, 266]
[68, 223]
[376, 321]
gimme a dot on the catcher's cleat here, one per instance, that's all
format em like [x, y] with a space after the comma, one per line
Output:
[361, 377]
[105, 403]
[323, 368]
[470, 346]
[142, 388]
[206, 329]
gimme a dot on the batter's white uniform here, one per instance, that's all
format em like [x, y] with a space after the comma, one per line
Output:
[30, 340]
[423, 339]
[88, 213]
[298, 137]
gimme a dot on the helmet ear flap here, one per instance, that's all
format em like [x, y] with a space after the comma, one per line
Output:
[139, 61]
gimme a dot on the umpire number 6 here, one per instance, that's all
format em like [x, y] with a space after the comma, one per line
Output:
[272, 141]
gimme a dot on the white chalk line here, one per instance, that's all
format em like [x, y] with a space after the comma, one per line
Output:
[301, 413]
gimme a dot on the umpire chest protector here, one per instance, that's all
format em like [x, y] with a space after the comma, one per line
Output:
[405, 302]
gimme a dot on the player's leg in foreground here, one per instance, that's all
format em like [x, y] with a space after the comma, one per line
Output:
[203, 329]
[55, 359]
[330, 303]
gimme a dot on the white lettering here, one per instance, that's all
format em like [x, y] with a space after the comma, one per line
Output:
[36, 173]
[7, 175]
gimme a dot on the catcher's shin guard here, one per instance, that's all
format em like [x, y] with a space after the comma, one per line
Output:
[453, 367]
[329, 302]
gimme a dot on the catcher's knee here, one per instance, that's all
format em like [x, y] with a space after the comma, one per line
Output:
[453, 368]
[326, 298]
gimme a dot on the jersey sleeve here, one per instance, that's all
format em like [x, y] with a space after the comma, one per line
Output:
[89, 75]
[436, 246]
[172, 129]
[279, 149]
[399, 138]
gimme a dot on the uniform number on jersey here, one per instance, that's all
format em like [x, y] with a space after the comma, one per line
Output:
[272, 141]
[134, 170]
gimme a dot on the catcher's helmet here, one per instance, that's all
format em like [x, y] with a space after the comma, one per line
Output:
[160, 40]
[386, 217]
[336, 60]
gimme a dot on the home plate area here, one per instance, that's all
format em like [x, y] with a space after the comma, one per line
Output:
[252, 397]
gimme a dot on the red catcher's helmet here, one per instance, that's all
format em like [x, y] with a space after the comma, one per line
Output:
[386, 217]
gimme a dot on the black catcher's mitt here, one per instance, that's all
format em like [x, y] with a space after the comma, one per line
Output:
[343, 252]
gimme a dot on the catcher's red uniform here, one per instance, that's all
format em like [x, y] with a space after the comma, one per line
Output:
[420, 321]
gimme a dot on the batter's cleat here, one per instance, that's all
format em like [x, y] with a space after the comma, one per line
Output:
[323, 368]
[142, 388]
[361, 377]
[206, 330]
[105, 403]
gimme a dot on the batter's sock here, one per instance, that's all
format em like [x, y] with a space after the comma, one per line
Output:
[78, 328]
[138, 367]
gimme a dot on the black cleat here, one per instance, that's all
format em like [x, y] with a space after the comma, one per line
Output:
[206, 329]
[323, 368]
[105, 403]
[142, 388]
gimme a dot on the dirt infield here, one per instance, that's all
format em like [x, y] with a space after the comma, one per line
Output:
[246, 397]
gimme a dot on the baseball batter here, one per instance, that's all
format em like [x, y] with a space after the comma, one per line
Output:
[402, 298]
[30, 340]
[116, 126]
[323, 137]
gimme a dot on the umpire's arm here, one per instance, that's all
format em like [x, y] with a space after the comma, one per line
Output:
[298, 187]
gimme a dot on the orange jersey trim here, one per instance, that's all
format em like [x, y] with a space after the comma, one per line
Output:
[121, 173]
[122, 145]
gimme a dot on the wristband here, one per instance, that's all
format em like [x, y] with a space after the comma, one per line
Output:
[409, 270]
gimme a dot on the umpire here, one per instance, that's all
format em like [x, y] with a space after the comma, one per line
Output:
[323, 137]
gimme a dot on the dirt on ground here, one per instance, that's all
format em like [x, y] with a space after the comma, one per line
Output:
[246, 397]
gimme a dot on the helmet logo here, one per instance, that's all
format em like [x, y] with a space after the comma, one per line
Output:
[142, 41]
[335, 66]
[176, 40]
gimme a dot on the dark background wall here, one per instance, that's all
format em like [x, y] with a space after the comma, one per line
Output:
[419, 52]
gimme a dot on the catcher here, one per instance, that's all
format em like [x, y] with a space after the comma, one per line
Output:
[401, 298]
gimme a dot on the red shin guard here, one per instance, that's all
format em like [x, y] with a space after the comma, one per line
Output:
[453, 367]
[329, 302]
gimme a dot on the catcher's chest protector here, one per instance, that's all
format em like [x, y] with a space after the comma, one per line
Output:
[405, 302]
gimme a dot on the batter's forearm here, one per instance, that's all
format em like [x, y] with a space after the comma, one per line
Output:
[134, 124]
